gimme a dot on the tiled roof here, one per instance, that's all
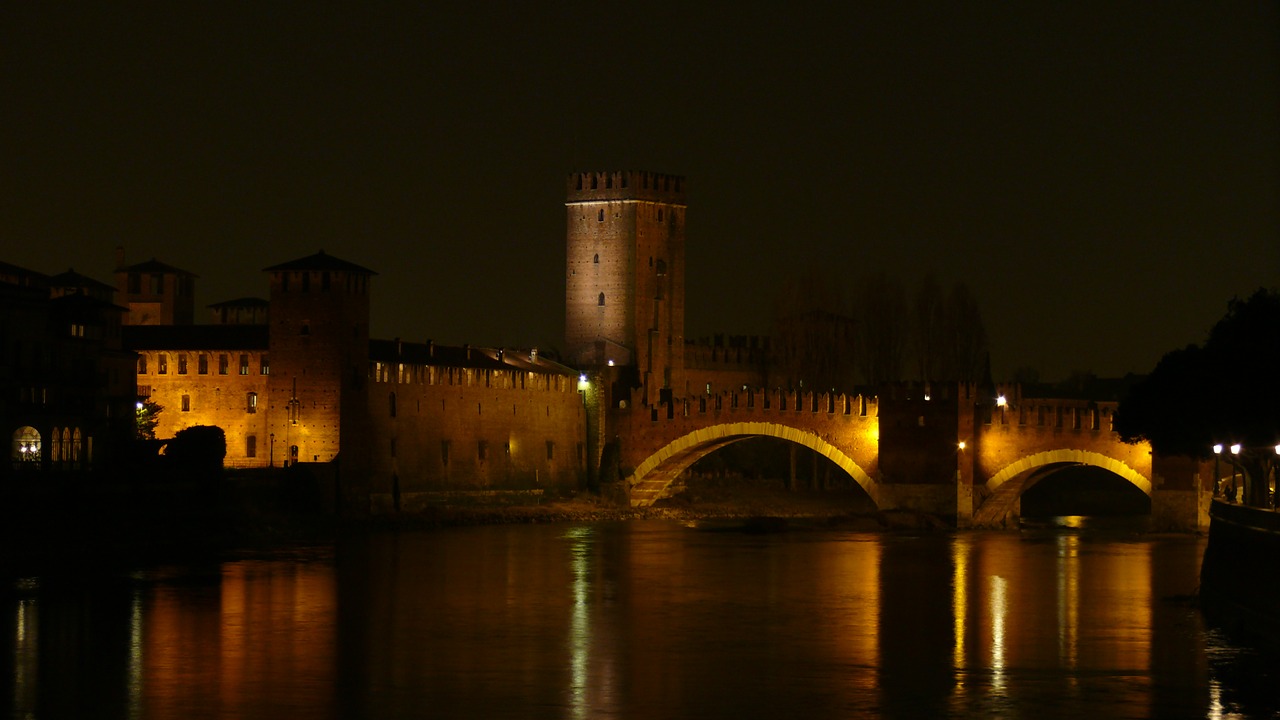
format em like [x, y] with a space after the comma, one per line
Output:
[320, 261]
[465, 356]
[154, 266]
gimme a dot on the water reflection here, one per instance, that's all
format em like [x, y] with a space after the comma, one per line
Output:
[644, 619]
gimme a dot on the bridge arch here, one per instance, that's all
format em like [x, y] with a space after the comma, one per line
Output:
[1067, 456]
[653, 475]
[1006, 486]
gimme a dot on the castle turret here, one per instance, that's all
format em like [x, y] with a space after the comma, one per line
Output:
[319, 340]
[155, 293]
[624, 296]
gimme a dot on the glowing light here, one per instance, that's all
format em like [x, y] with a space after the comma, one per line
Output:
[1217, 449]
[1001, 401]
[1235, 449]
[610, 363]
[961, 445]
[583, 384]
[1278, 449]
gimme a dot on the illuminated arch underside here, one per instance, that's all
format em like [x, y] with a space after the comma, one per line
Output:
[1072, 457]
[652, 476]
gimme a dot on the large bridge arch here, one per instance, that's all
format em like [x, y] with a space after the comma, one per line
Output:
[1066, 456]
[655, 473]
[1007, 485]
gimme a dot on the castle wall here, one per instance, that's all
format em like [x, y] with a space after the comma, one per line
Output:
[230, 394]
[435, 428]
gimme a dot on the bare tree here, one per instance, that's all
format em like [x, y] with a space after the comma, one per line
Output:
[881, 332]
[813, 335]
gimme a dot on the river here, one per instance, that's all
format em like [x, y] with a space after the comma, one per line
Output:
[640, 619]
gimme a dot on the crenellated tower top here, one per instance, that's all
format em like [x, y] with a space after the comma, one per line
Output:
[625, 185]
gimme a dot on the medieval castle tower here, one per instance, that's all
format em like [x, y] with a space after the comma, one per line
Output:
[624, 287]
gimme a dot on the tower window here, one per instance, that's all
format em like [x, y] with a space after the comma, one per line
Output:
[596, 259]
[659, 214]
[222, 364]
[600, 216]
[244, 364]
[600, 300]
[202, 364]
[251, 402]
[186, 403]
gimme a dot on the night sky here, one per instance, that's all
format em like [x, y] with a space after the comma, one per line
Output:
[1105, 176]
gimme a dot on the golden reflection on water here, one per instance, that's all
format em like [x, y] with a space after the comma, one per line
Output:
[635, 621]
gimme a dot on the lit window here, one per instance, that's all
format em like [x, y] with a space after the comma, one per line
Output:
[202, 364]
[162, 363]
[182, 364]
[251, 404]
[264, 368]
[223, 362]
[244, 364]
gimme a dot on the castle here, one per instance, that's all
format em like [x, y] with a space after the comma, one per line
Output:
[296, 378]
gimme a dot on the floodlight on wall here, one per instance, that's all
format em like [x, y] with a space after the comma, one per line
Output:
[1235, 449]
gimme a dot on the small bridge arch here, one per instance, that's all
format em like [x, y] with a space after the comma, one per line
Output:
[1006, 486]
[654, 474]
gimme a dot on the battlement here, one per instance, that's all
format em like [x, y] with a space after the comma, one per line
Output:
[625, 185]
[768, 401]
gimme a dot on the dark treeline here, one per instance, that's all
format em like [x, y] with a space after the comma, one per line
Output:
[830, 334]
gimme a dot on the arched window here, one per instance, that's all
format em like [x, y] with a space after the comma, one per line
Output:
[75, 445]
[596, 259]
[56, 451]
[600, 300]
[26, 446]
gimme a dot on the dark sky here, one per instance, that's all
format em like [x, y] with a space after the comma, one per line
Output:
[1105, 176]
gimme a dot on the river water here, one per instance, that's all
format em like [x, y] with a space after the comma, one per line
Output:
[640, 619]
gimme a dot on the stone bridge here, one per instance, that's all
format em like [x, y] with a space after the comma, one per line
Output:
[958, 453]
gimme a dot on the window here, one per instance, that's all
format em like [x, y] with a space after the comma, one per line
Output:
[264, 367]
[596, 259]
[186, 403]
[162, 364]
[444, 452]
[251, 446]
[223, 362]
[600, 216]
[551, 450]
[77, 330]
[244, 364]
[142, 364]
[659, 214]
[251, 402]
[182, 364]
[202, 364]
[600, 300]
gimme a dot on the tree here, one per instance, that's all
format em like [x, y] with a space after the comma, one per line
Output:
[1227, 391]
[148, 417]
[813, 335]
